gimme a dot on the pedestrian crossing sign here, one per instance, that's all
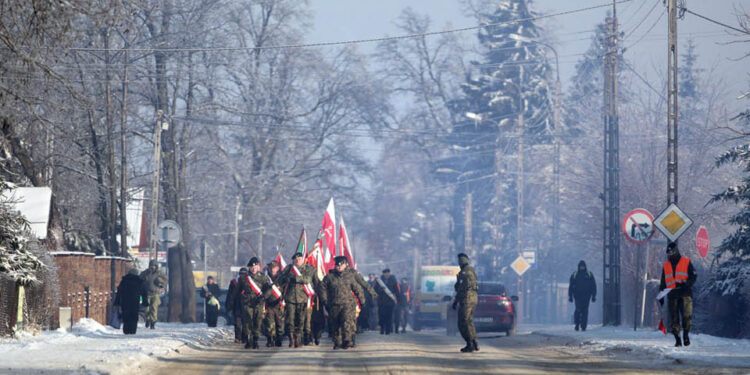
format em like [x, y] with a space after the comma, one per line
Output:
[520, 265]
[672, 222]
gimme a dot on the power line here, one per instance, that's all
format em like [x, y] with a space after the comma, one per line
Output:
[356, 41]
[649, 30]
[642, 20]
[715, 21]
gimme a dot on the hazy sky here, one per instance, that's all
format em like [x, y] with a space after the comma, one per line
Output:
[355, 19]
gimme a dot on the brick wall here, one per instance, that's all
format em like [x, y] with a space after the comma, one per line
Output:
[76, 271]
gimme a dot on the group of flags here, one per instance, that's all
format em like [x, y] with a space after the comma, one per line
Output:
[321, 257]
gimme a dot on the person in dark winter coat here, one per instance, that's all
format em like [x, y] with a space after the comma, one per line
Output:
[130, 293]
[582, 288]
[211, 293]
[387, 288]
[233, 304]
[678, 274]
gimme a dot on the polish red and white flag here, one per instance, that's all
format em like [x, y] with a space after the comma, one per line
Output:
[280, 260]
[328, 226]
[345, 246]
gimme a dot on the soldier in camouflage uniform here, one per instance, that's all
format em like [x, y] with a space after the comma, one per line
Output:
[466, 295]
[336, 291]
[153, 282]
[362, 302]
[253, 301]
[295, 297]
[274, 313]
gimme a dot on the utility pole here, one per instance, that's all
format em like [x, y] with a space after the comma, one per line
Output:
[261, 230]
[672, 105]
[519, 177]
[123, 160]
[237, 219]
[155, 194]
[611, 194]
[467, 226]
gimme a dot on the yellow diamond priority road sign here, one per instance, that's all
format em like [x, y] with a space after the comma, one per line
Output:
[672, 222]
[520, 265]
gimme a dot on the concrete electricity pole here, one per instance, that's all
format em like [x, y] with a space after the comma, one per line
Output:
[672, 113]
[160, 124]
[611, 194]
[237, 218]
[467, 226]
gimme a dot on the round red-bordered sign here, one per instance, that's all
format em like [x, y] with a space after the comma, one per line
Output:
[702, 242]
[638, 226]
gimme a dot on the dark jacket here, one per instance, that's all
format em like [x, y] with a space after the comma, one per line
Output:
[582, 284]
[392, 284]
[682, 289]
[233, 302]
[210, 290]
[129, 294]
[404, 294]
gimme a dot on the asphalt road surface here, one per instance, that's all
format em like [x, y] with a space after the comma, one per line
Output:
[427, 352]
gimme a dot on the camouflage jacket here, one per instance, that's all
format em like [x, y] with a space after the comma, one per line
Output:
[362, 283]
[249, 297]
[153, 281]
[466, 285]
[337, 288]
[293, 286]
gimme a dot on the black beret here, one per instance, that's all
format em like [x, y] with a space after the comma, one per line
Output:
[387, 270]
[296, 255]
[253, 261]
[341, 260]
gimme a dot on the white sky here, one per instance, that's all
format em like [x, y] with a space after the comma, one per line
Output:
[336, 20]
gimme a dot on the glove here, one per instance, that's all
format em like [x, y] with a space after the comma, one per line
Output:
[661, 302]
[593, 299]
[455, 303]
[570, 299]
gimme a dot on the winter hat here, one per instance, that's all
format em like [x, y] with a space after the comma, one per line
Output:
[463, 259]
[253, 261]
[582, 263]
[672, 247]
[387, 270]
[133, 271]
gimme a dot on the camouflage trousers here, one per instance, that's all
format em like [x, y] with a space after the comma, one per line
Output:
[681, 308]
[252, 317]
[308, 321]
[466, 321]
[152, 311]
[274, 321]
[295, 318]
[343, 323]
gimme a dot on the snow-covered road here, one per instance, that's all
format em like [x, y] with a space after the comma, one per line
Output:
[92, 348]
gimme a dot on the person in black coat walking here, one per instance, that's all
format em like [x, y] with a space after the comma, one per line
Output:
[130, 293]
[210, 294]
[387, 288]
[583, 289]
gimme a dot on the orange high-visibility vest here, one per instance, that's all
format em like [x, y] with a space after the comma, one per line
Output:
[670, 277]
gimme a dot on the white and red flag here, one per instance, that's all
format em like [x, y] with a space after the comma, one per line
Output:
[345, 247]
[302, 243]
[315, 259]
[328, 226]
[280, 260]
[307, 287]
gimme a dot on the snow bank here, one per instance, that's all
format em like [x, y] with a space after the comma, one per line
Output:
[92, 348]
[704, 349]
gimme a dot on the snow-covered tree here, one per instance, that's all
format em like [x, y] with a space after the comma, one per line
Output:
[512, 78]
[16, 259]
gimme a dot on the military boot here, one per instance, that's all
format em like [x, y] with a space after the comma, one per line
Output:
[468, 348]
[345, 345]
[475, 344]
[153, 325]
[291, 340]
[686, 338]
[255, 342]
[677, 341]
[296, 341]
[269, 341]
[248, 345]
[278, 340]
[306, 340]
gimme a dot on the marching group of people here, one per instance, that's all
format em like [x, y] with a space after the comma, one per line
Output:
[294, 303]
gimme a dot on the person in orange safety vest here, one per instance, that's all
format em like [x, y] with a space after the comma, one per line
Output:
[678, 274]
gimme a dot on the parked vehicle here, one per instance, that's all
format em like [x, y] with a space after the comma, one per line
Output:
[495, 310]
[434, 296]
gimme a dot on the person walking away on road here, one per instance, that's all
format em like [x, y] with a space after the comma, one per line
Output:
[387, 289]
[255, 288]
[274, 310]
[153, 281]
[339, 290]
[369, 295]
[678, 274]
[210, 294]
[582, 288]
[372, 319]
[402, 309]
[466, 288]
[130, 293]
[234, 303]
[296, 282]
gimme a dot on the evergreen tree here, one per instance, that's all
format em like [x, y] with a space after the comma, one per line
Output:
[513, 77]
[16, 259]
[732, 276]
